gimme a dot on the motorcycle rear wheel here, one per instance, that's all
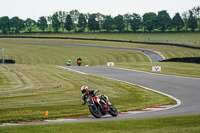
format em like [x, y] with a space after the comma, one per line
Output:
[95, 111]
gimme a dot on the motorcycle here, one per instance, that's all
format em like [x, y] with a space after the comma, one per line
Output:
[79, 62]
[99, 106]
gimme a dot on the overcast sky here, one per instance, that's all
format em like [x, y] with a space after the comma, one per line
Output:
[36, 8]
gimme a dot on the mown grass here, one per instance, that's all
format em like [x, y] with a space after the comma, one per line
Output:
[25, 53]
[170, 124]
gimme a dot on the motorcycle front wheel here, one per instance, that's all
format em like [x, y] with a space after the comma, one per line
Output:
[113, 111]
[95, 111]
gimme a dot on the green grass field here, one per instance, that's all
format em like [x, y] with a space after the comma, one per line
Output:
[170, 124]
[59, 54]
[34, 84]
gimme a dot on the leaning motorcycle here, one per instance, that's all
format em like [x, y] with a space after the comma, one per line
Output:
[99, 107]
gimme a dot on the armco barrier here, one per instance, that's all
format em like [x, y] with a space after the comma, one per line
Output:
[8, 61]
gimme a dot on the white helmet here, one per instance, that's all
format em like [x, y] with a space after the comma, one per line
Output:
[84, 89]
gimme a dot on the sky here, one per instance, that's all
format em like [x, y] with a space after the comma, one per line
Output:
[36, 8]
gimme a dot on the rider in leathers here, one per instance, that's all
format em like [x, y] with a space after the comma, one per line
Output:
[86, 92]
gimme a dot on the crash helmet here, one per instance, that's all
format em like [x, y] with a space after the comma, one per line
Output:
[84, 89]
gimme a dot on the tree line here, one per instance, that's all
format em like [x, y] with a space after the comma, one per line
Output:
[74, 21]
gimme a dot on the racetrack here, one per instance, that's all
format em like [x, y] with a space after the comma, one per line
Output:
[185, 89]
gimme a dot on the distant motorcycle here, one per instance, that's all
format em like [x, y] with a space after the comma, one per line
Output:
[99, 107]
[69, 63]
[79, 62]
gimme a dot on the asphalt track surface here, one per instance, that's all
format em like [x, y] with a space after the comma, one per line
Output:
[186, 89]
[152, 55]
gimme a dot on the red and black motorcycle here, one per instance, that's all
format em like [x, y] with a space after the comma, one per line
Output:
[99, 106]
[79, 62]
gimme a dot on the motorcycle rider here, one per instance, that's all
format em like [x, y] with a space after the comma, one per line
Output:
[69, 63]
[79, 61]
[86, 92]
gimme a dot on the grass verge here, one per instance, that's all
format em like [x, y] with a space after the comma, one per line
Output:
[170, 124]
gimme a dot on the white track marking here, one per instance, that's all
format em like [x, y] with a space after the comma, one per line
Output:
[146, 55]
[160, 54]
[59, 120]
[72, 70]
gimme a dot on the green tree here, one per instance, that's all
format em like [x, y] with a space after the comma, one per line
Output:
[185, 16]
[100, 18]
[192, 21]
[5, 24]
[42, 23]
[127, 19]
[68, 23]
[82, 22]
[177, 22]
[29, 24]
[55, 22]
[74, 15]
[62, 17]
[108, 23]
[135, 21]
[16, 24]
[119, 23]
[164, 20]
[196, 11]
[87, 15]
[93, 24]
[49, 22]
[149, 21]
